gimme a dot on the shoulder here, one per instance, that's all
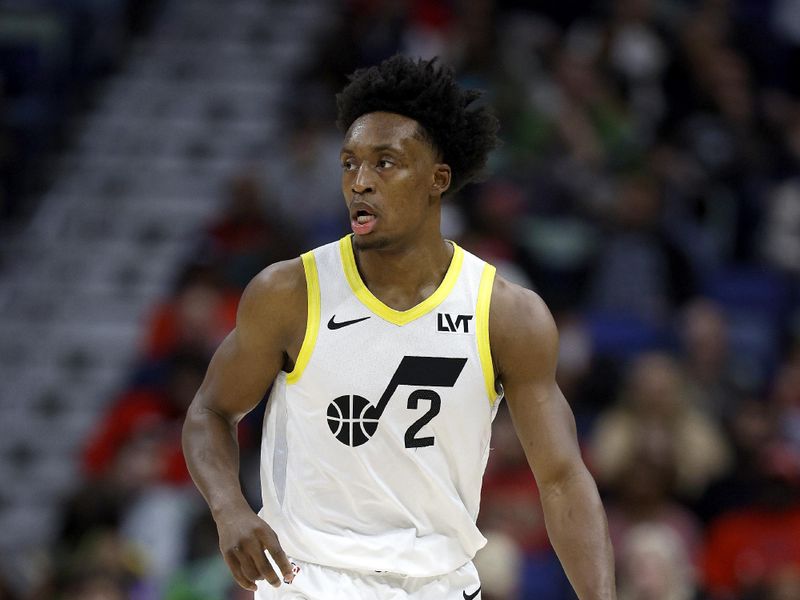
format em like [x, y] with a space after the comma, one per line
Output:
[519, 313]
[277, 295]
[521, 328]
[283, 279]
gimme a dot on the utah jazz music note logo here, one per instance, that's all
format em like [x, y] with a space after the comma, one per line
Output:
[353, 420]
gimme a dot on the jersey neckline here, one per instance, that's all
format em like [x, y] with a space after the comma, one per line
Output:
[398, 317]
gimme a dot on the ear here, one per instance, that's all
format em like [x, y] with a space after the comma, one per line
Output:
[441, 179]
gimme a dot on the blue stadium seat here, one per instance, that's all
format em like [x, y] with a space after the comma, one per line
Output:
[756, 302]
[543, 578]
[621, 336]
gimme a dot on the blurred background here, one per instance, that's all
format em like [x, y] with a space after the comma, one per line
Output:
[156, 154]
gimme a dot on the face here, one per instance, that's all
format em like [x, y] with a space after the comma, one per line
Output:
[392, 180]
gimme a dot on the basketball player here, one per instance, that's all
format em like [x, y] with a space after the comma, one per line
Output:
[388, 352]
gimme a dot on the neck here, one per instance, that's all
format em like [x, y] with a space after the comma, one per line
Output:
[405, 274]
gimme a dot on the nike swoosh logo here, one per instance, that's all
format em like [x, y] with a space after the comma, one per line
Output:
[473, 594]
[334, 325]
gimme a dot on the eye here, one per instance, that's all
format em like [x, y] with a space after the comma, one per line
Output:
[348, 165]
[385, 163]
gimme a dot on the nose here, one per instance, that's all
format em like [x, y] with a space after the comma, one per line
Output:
[362, 184]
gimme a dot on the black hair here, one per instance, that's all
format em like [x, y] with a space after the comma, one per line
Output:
[461, 133]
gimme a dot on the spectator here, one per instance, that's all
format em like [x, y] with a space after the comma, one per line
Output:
[786, 399]
[499, 565]
[751, 427]
[655, 417]
[781, 241]
[198, 316]
[641, 497]
[248, 235]
[152, 416]
[707, 354]
[655, 566]
[5, 590]
[97, 585]
[750, 550]
[640, 270]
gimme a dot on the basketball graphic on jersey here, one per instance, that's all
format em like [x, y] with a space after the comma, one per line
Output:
[353, 419]
[350, 419]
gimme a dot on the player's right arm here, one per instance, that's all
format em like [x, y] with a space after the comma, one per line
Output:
[270, 325]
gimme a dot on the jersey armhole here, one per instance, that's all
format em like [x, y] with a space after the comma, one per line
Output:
[312, 318]
[482, 331]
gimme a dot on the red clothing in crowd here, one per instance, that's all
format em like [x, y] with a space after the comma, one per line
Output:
[136, 412]
[238, 236]
[170, 326]
[749, 546]
[510, 503]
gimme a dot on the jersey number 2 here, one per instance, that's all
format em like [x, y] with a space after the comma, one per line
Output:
[433, 371]
[413, 402]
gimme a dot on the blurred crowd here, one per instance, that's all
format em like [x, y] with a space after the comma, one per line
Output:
[648, 188]
[53, 53]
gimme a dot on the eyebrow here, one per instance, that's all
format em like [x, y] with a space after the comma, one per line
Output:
[376, 148]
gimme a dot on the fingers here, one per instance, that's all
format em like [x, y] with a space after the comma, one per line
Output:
[273, 546]
[263, 567]
[245, 553]
[253, 565]
[236, 571]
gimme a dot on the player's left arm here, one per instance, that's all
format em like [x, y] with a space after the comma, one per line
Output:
[524, 343]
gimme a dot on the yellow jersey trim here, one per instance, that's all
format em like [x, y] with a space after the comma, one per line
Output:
[312, 320]
[398, 317]
[482, 330]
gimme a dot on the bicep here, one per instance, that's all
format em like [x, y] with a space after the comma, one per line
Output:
[238, 376]
[525, 335]
[271, 316]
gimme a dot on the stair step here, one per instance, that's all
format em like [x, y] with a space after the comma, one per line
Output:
[26, 526]
[151, 165]
[30, 387]
[126, 184]
[212, 104]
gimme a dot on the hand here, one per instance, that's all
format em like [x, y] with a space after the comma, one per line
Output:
[243, 538]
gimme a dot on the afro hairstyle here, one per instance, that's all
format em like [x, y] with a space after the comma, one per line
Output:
[463, 135]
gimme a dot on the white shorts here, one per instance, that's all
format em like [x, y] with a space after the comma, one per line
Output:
[315, 582]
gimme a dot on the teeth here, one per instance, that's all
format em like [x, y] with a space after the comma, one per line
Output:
[364, 218]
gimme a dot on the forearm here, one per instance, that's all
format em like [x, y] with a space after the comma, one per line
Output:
[212, 455]
[576, 524]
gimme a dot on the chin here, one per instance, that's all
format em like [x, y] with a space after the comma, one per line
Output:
[370, 242]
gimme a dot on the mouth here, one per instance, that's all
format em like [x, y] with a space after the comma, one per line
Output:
[362, 221]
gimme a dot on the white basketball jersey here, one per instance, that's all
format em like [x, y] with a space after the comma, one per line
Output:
[375, 445]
